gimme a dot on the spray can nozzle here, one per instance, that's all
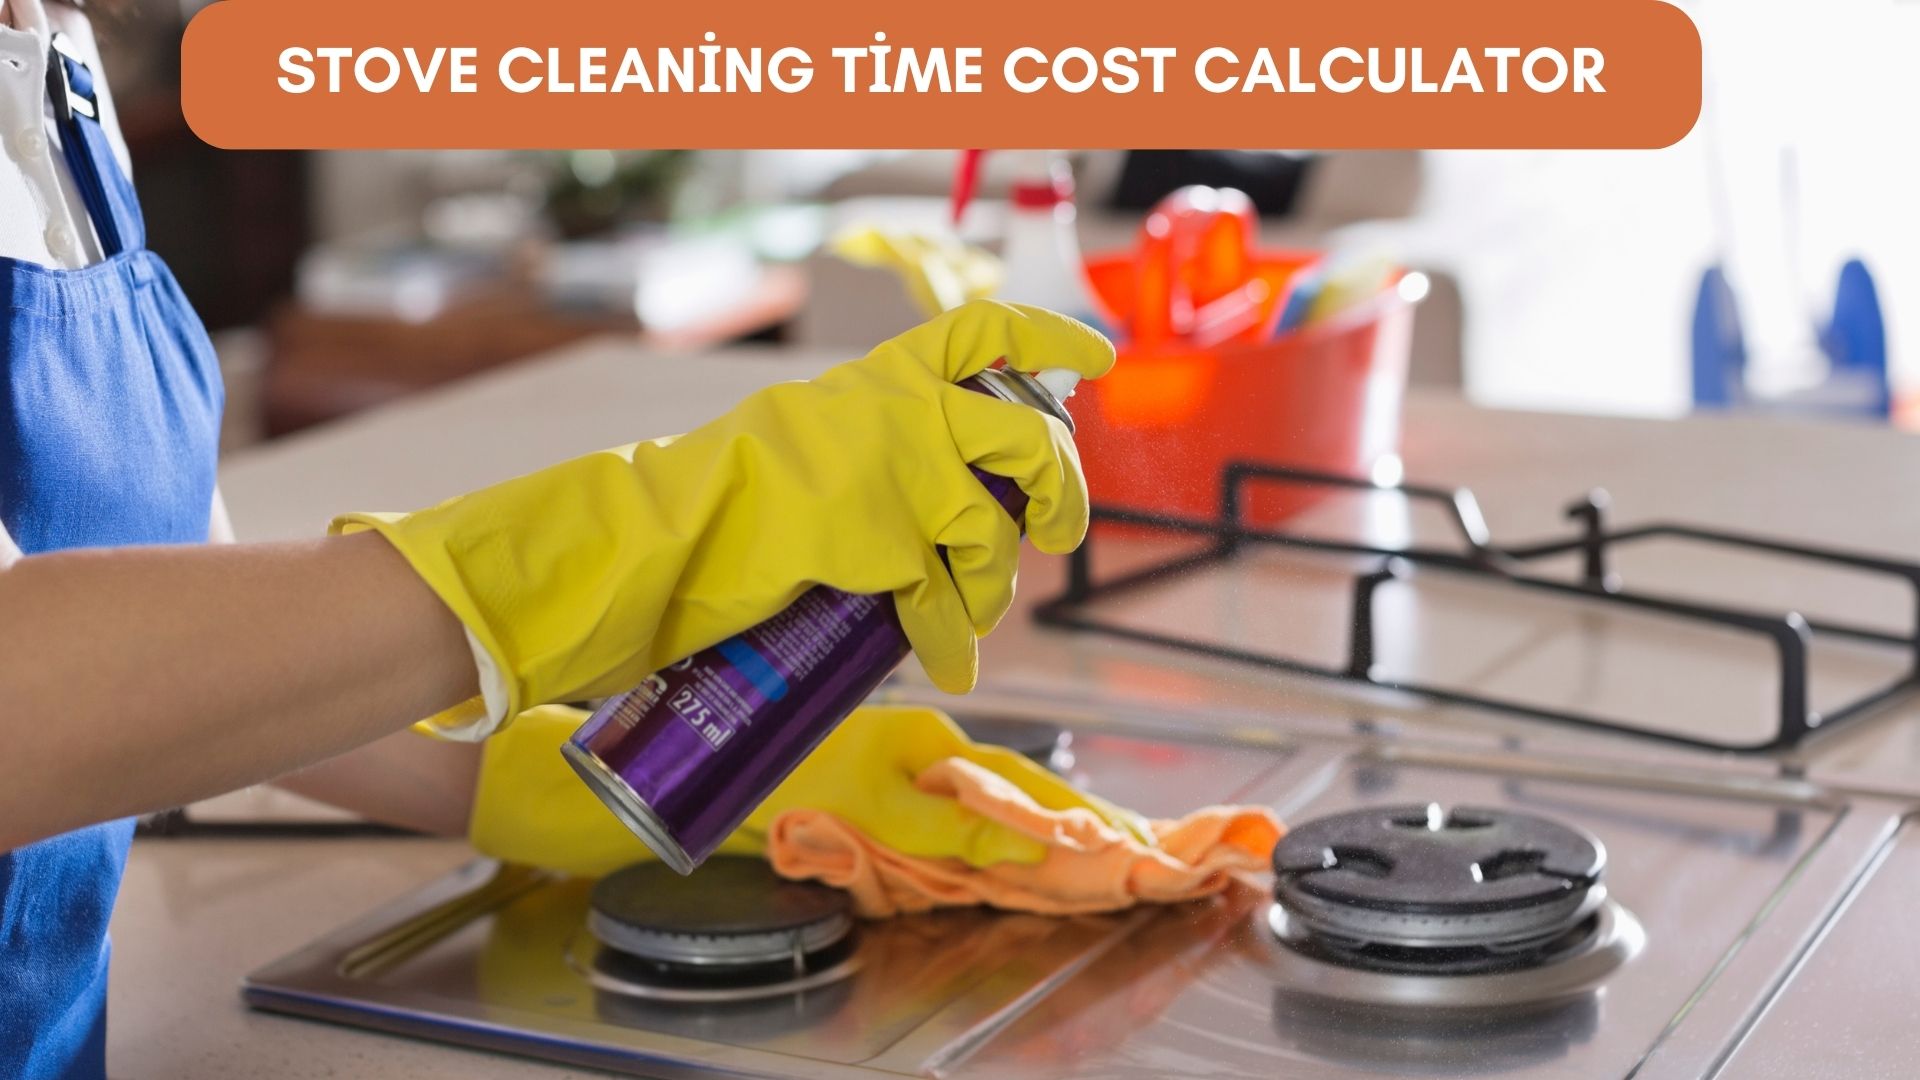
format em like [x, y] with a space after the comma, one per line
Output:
[1060, 382]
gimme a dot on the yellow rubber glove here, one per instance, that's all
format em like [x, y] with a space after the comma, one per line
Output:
[530, 808]
[939, 272]
[581, 579]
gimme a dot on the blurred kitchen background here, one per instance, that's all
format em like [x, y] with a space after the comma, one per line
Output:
[1560, 281]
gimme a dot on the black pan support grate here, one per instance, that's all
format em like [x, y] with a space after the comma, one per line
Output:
[1790, 634]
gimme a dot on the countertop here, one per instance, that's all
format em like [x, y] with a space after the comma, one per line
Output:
[197, 914]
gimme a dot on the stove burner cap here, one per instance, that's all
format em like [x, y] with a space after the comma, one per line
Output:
[732, 912]
[1425, 877]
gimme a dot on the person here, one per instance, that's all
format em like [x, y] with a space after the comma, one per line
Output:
[142, 667]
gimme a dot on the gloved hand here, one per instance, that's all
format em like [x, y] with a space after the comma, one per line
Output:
[579, 580]
[530, 808]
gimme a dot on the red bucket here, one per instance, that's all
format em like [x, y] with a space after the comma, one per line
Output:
[1156, 432]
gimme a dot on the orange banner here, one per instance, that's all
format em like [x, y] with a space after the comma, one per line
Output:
[424, 74]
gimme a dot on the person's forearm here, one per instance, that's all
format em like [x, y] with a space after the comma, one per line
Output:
[137, 679]
[405, 779]
[402, 779]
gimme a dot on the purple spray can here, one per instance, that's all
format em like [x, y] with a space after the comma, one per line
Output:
[686, 756]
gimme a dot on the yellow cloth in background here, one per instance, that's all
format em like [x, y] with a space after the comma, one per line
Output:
[1089, 865]
[940, 273]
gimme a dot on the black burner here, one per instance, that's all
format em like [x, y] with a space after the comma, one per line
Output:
[733, 919]
[1431, 959]
[1419, 888]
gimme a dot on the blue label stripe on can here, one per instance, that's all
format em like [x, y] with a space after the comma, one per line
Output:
[748, 661]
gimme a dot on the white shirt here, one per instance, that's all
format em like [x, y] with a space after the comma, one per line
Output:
[42, 218]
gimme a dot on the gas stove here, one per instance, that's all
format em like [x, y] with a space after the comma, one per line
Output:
[1438, 909]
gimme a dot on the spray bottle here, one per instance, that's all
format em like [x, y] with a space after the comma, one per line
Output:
[685, 757]
[1041, 251]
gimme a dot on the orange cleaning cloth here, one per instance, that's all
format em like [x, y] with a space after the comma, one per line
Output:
[1090, 866]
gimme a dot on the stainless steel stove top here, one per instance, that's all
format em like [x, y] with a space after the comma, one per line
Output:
[1718, 889]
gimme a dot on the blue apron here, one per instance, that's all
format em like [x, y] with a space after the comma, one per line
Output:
[110, 406]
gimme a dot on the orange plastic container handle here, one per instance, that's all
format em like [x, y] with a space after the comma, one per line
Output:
[1196, 247]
